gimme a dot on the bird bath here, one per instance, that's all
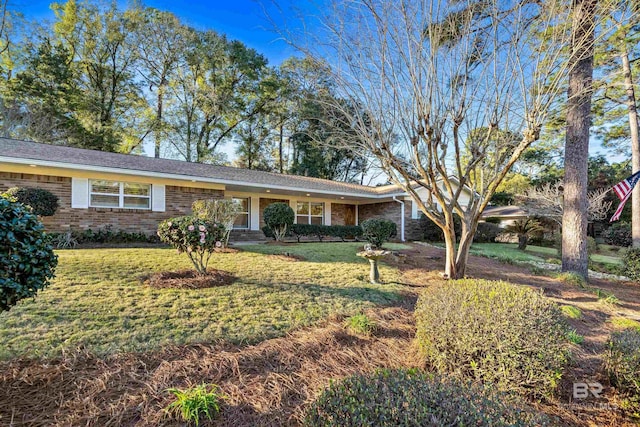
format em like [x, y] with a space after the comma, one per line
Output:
[373, 256]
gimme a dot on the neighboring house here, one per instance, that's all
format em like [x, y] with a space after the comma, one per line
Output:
[135, 193]
[507, 214]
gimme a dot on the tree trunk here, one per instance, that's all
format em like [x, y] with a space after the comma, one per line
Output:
[450, 268]
[574, 218]
[523, 240]
[158, 121]
[280, 143]
[634, 128]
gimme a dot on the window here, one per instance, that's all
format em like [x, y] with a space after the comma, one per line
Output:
[309, 213]
[242, 221]
[114, 194]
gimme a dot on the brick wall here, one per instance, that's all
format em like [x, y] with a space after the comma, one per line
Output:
[391, 211]
[178, 202]
[342, 214]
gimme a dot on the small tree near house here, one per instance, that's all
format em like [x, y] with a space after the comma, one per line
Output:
[279, 218]
[196, 237]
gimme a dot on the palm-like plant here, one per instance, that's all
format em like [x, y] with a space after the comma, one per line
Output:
[524, 228]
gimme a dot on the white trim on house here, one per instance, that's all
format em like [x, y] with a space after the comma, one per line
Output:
[80, 193]
[158, 196]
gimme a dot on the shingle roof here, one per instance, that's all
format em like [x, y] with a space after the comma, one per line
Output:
[500, 211]
[127, 162]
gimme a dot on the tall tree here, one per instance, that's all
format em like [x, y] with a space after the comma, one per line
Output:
[161, 40]
[574, 217]
[426, 74]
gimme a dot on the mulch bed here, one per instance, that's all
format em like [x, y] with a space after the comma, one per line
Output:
[188, 279]
[268, 384]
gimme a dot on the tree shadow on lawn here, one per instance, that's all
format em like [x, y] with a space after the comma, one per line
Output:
[371, 294]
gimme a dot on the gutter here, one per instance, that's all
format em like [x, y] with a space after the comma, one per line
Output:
[395, 199]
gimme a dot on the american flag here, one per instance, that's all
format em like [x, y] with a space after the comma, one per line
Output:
[623, 190]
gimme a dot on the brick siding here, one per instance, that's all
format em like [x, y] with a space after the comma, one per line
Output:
[342, 214]
[178, 202]
[391, 211]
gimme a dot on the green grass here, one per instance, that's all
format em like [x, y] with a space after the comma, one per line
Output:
[625, 323]
[571, 312]
[97, 300]
[575, 337]
[360, 324]
[195, 403]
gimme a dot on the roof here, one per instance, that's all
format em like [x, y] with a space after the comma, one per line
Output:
[503, 211]
[78, 158]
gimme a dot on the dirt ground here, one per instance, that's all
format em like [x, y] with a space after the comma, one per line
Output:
[269, 384]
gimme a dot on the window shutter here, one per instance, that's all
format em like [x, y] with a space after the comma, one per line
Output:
[158, 198]
[80, 193]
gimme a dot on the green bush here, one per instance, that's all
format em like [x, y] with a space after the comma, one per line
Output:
[101, 235]
[413, 398]
[342, 232]
[196, 237]
[487, 232]
[279, 218]
[194, 403]
[622, 361]
[618, 234]
[432, 233]
[571, 312]
[495, 332]
[27, 260]
[41, 201]
[377, 231]
[493, 220]
[631, 264]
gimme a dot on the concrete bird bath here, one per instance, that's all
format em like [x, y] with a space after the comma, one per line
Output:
[373, 255]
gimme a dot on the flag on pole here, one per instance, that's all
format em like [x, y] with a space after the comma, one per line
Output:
[623, 190]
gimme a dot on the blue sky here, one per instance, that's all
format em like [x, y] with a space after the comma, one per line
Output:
[244, 20]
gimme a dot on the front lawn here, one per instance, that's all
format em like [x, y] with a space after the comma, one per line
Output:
[98, 302]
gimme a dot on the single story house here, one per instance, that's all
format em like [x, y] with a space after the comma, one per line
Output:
[134, 193]
[506, 214]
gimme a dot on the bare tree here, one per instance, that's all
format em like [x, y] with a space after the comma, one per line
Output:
[547, 202]
[438, 83]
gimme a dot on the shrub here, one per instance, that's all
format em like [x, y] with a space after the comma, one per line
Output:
[486, 232]
[41, 201]
[197, 237]
[104, 234]
[493, 220]
[432, 233]
[360, 324]
[194, 403]
[279, 217]
[413, 398]
[618, 234]
[625, 323]
[631, 264]
[342, 232]
[27, 260]
[220, 211]
[377, 231]
[622, 361]
[494, 332]
[524, 228]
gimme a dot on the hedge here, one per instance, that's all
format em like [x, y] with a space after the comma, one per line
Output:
[343, 232]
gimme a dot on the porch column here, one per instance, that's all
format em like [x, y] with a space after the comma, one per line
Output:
[255, 213]
[357, 216]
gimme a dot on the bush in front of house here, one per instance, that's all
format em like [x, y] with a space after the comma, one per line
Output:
[279, 218]
[196, 237]
[487, 232]
[622, 361]
[432, 233]
[414, 398]
[494, 332]
[342, 232]
[41, 201]
[27, 260]
[631, 264]
[618, 234]
[378, 231]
